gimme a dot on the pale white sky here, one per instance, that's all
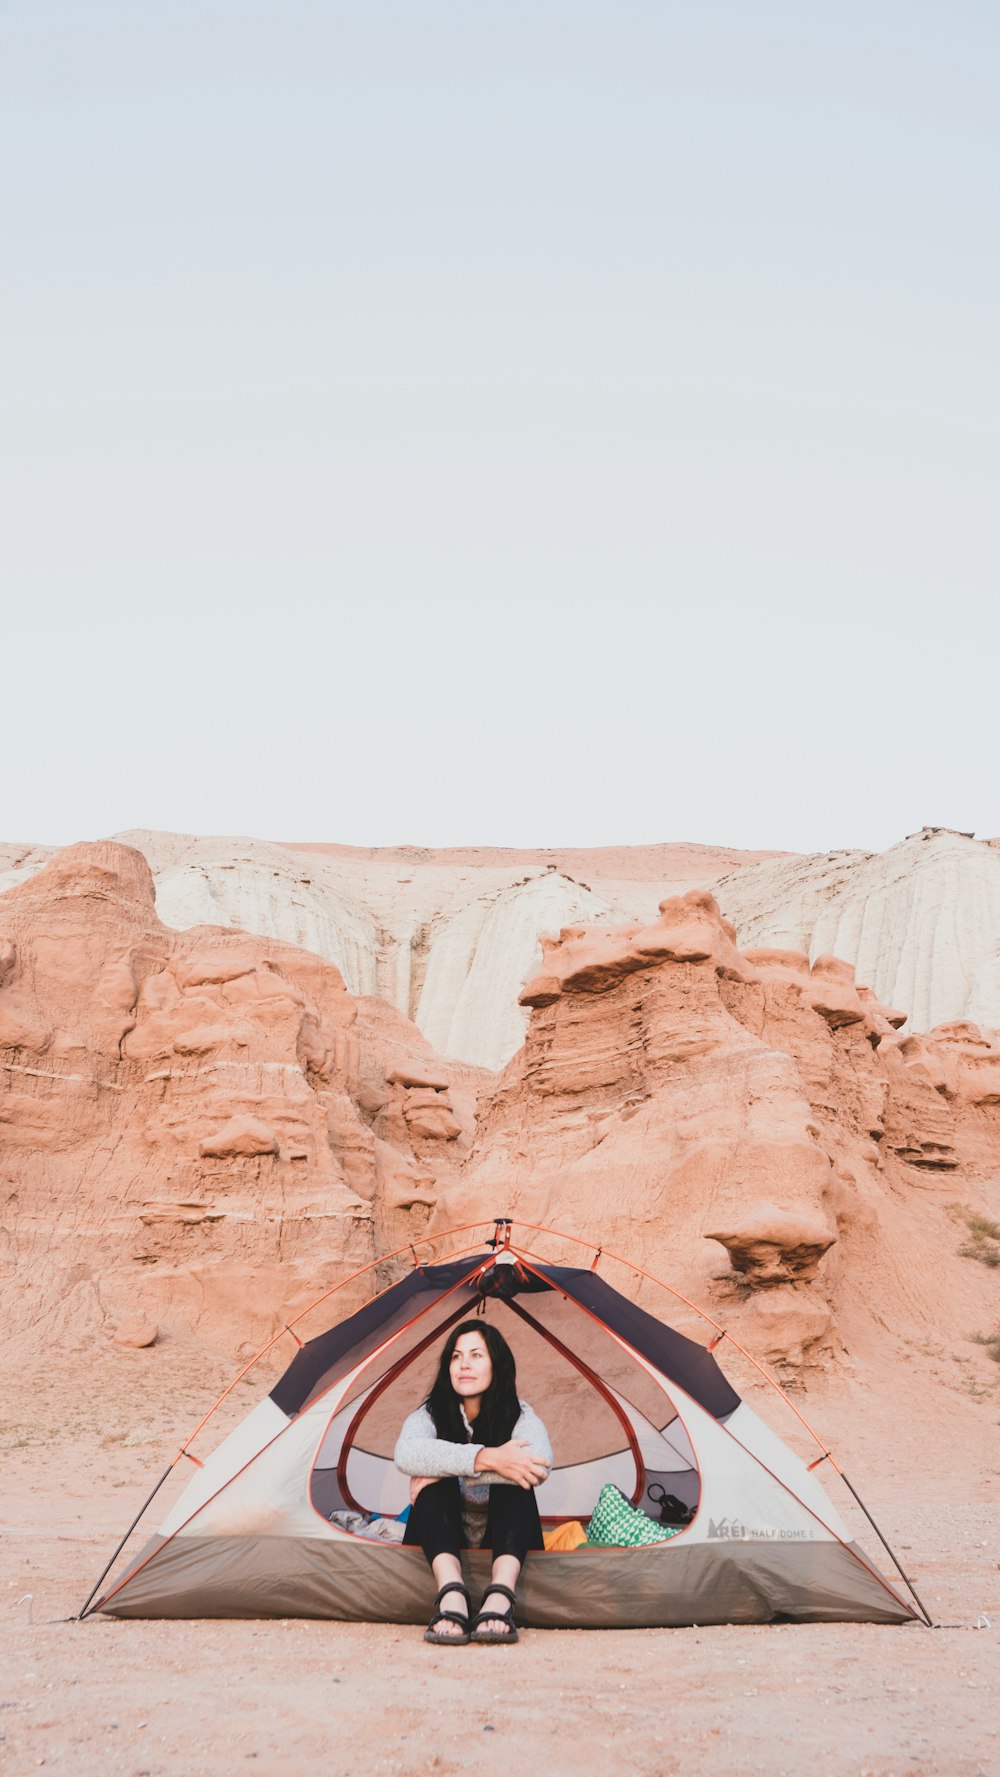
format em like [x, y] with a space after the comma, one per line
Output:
[548, 423]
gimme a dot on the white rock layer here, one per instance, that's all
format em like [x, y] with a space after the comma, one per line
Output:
[919, 922]
[480, 957]
[271, 894]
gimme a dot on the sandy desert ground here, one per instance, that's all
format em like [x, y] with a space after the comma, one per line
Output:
[83, 1442]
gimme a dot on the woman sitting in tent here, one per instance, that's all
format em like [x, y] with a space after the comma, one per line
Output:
[475, 1454]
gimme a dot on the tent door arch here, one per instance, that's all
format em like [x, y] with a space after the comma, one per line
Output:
[613, 1441]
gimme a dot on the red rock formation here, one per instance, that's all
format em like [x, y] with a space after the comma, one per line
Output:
[200, 1129]
[674, 1095]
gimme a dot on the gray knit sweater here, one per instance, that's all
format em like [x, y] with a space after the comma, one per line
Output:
[419, 1451]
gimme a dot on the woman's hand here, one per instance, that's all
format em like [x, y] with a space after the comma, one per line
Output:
[417, 1484]
[515, 1461]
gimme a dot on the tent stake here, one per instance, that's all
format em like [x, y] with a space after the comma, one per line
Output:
[128, 1533]
[923, 1610]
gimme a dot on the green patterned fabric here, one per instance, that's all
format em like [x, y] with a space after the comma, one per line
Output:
[617, 1524]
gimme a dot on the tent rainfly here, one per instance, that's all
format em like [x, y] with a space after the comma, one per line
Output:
[626, 1398]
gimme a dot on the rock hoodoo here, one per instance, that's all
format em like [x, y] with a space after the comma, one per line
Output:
[675, 1094]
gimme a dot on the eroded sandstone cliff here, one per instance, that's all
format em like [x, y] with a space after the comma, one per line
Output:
[203, 1129]
[199, 1129]
[751, 1127]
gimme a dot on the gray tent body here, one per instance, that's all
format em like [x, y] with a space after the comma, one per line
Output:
[626, 1400]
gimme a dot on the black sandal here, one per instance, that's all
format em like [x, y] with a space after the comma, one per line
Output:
[450, 1616]
[496, 1616]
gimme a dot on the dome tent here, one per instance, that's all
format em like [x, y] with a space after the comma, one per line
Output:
[627, 1399]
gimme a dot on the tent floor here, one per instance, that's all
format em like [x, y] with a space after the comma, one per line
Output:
[671, 1585]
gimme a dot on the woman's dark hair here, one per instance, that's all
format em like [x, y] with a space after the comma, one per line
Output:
[500, 1408]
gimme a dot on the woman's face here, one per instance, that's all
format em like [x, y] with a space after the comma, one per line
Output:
[471, 1368]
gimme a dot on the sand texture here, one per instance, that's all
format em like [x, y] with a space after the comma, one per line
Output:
[192, 1699]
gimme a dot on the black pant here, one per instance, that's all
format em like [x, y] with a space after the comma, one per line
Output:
[512, 1522]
